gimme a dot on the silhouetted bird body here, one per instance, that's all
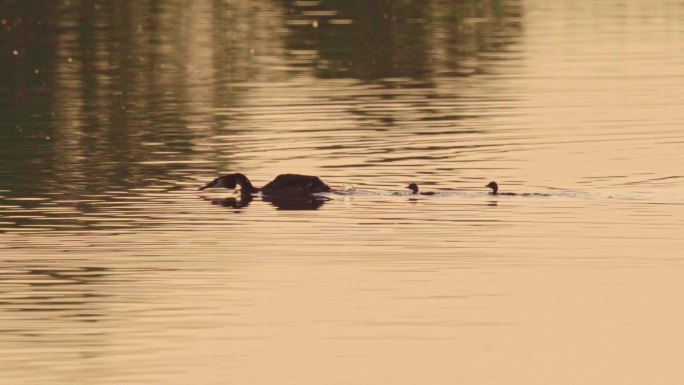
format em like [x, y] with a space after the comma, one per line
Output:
[282, 185]
[295, 184]
[495, 189]
[414, 188]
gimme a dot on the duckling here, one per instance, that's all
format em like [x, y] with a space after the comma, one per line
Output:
[495, 189]
[282, 185]
[414, 188]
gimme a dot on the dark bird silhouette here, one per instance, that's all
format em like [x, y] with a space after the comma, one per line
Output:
[414, 188]
[282, 185]
[495, 189]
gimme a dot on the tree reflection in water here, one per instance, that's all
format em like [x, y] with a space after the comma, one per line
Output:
[116, 96]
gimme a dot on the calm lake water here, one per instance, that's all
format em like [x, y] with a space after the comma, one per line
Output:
[115, 269]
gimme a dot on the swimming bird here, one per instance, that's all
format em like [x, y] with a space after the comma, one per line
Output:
[414, 188]
[495, 189]
[282, 185]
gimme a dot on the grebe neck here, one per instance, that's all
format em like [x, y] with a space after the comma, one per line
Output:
[244, 183]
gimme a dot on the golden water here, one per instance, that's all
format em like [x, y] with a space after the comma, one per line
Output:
[116, 270]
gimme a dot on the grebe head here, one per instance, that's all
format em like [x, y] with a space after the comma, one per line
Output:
[227, 181]
[413, 187]
[493, 186]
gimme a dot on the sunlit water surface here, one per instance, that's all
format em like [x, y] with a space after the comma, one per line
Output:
[116, 270]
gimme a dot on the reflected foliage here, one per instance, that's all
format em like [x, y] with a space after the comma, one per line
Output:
[378, 39]
[102, 96]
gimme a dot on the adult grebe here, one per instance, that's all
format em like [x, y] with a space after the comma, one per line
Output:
[495, 189]
[414, 188]
[282, 185]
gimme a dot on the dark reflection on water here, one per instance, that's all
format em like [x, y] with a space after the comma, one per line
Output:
[281, 203]
[296, 203]
[102, 98]
[242, 201]
[374, 40]
[88, 127]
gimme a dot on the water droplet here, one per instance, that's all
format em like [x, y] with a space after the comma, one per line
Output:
[314, 23]
[70, 60]
[36, 71]
[15, 52]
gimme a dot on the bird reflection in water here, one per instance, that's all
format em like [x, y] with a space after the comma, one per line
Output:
[309, 202]
[236, 203]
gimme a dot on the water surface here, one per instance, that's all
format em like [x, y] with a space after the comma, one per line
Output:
[116, 270]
